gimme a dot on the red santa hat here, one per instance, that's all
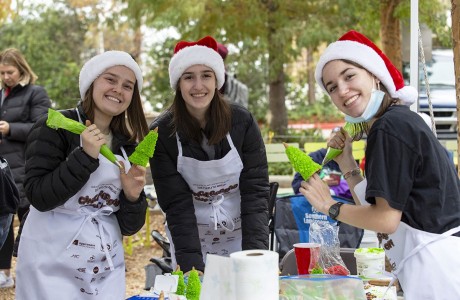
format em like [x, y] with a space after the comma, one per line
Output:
[202, 52]
[101, 62]
[356, 47]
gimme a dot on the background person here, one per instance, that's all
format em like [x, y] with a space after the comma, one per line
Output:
[21, 104]
[412, 187]
[233, 89]
[9, 199]
[81, 203]
[211, 172]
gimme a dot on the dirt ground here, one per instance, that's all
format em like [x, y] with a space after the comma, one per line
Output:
[135, 263]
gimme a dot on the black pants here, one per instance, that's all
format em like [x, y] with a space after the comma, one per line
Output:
[6, 253]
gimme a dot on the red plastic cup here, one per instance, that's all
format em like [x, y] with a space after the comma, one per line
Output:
[307, 257]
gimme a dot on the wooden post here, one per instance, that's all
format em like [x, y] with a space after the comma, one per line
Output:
[455, 15]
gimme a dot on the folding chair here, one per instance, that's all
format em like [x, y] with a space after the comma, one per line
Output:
[271, 206]
[292, 218]
[348, 257]
[288, 265]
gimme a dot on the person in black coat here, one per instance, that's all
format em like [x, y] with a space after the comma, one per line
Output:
[21, 104]
[210, 167]
[9, 199]
[81, 202]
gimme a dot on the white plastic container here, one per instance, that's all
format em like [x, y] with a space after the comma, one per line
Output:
[370, 262]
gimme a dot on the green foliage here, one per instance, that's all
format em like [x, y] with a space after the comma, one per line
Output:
[432, 13]
[323, 110]
[158, 90]
[280, 168]
[52, 44]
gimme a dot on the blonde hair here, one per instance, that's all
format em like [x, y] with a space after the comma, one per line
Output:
[13, 57]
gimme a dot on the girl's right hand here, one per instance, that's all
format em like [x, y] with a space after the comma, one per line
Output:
[92, 139]
[340, 139]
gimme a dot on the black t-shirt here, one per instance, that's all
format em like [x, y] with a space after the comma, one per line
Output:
[406, 165]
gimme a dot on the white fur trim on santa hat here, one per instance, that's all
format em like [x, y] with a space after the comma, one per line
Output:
[368, 59]
[101, 62]
[196, 55]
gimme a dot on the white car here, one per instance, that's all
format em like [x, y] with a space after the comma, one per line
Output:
[441, 79]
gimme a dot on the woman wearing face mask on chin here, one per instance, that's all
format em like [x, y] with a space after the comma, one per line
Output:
[411, 194]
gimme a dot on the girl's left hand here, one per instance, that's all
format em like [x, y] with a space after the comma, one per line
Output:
[317, 193]
[133, 182]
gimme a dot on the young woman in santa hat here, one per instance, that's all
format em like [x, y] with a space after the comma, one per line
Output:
[210, 168]
[412, 190]
[81, 203]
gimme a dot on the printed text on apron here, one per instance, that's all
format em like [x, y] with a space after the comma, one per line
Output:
[217, 200]
[75, 251]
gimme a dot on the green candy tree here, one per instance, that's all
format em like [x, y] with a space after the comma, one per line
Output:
[144, 151]
[180, 283]
[193, 286]
[301, 162]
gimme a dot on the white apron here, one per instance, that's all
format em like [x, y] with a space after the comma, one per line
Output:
[75, 251]
[217, 201]
[426, 264]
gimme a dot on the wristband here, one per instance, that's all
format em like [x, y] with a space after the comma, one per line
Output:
[351, 173]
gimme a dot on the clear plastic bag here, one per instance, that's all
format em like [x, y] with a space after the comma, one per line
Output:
[320, 287]
[330, 261]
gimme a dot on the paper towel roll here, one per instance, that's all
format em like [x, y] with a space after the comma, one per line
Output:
[255, 274]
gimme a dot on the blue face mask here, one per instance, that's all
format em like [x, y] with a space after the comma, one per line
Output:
[371, 109]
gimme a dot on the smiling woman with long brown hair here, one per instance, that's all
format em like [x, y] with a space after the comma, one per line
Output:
[81, 203]
[210, 168]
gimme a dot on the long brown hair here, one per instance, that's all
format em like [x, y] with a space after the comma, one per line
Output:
[218, 118]
[131, 123]
[13, 57]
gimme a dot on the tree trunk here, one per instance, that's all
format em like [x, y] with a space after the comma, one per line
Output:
[277, 94]
[311, 77]
[276, 77]
[455, 14]
[137, 49]
[390, 32]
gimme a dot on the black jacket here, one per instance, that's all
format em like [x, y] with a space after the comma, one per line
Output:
[21, 109]
[57, 168]
[174, 194]
[9, 195]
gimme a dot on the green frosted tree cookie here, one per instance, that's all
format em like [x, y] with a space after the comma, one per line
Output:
[144, 151]
[301, 162]
[193, 286]
[180, 283]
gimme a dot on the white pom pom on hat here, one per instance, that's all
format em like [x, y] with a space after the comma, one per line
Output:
[202, 52]
[356, 47]
[101, 62]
